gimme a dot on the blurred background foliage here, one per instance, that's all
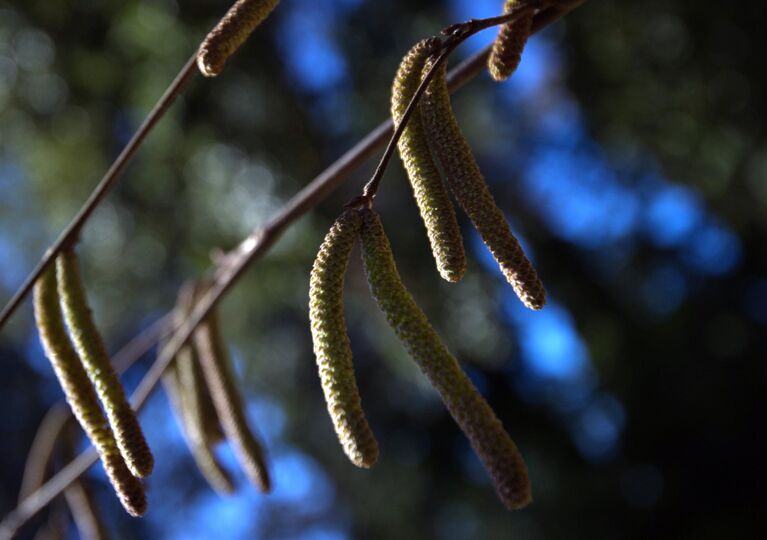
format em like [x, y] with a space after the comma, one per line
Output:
[630, 155]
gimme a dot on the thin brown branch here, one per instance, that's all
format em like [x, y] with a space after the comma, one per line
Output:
[70, 234]
[250, 250]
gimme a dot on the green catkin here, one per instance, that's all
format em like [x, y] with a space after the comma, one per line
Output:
[218, 375]
[80, 393]
[490, 441]
[331, 342]
[429, 189]
[93, 353]
[470, 190]
[508, 45]
[230, 33]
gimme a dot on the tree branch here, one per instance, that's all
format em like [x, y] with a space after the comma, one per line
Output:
[250, 250]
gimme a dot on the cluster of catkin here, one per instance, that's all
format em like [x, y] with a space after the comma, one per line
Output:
[437, 159]
[201, 388]
[490, 441]
[77, 353]
[433, 136]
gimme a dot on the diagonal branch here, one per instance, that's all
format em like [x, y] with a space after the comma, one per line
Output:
[250, 250]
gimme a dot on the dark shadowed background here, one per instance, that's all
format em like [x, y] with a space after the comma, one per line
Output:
[630, 156]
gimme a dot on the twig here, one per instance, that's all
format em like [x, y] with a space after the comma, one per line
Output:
[69, 235]
[250, 250]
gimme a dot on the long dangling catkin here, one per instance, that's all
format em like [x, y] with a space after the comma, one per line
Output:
[495, 449]
[429, 189]
[467, 184]
[80, 393]
[508, 45]
[93, 353]
[230, 33]
[218, 375]
[331, 342]
[186, 403]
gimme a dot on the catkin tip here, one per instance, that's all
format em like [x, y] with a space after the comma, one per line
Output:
[230, 33]
[509, 44]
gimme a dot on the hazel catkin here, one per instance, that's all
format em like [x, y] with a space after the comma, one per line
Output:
[331, 342]
[227, 401]
[429, 189]
[230, 33]
[90, 346]
[470, 190]
[490, 441]
[508, 45]
[80, 393]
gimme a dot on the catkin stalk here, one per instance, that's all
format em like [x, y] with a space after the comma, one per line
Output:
[93, 353]
[331, 342]
[80, 394]
[490, 441]
[430, 192]
[230, 33]
[228, 403]
[508, 45]
[469, 188]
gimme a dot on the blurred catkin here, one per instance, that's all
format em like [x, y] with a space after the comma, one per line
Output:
[331, 342]
[187, 404]
[508, 45]
[37, 466]
[217, 372]
[80, 393]
[80, 500]
[429, 189]
[93, 353]
[230, 33]
[495, 449]
[467, 184]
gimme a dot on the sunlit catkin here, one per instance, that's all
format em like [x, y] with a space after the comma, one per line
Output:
[80, 394]
[217, 371]
[93, 353]
[331, 342]
[429, 189]
[495, 449]
[230, 33]
[467, 184]
[508, 45]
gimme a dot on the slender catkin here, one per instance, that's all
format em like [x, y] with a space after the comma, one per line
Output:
[429, 189]
[495, 449]
[218, 375]
[37, 466]
[230, 33]
[331, 342]
[80, 394]
[508, 45]
[93, 353]
[186, 403]
[467, 184]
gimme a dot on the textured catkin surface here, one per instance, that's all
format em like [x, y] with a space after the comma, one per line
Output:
[217, 372]
[495, 449]
[429, 189]
[230, 33]
[80, 394]
[90, 347]
[467, 184]
[508, 45]
[331, 342]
